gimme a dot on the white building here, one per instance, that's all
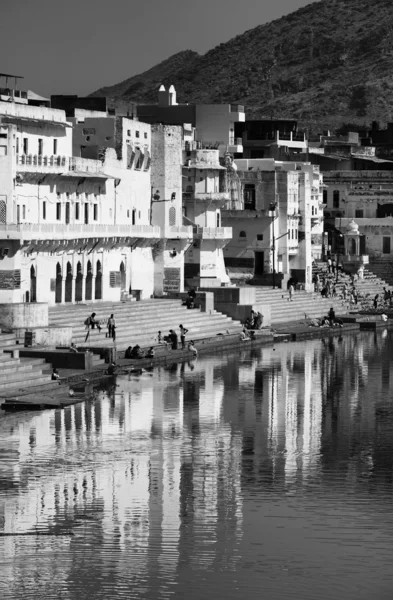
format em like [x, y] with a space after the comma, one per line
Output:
[82, 225]
[204, 194]
[280, 227]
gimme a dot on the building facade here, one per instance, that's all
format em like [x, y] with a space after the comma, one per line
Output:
[78, 221]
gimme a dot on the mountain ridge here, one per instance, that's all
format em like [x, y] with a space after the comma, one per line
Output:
[327, 63]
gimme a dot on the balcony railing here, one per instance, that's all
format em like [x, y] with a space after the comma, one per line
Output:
[212, 233]
[235, 141]
[53, 231]
[212, 196]
[38, 162]
[178, 231]
[29, 161]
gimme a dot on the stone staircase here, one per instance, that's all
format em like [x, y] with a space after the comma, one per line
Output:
[304, 305]
[382, 268]
[15, 373]
[139, 322]
[369, 286]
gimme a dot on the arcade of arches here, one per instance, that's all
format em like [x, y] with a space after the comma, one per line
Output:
[75, 286]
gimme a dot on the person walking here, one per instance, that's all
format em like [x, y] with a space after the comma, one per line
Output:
[91, 322]
[291, 289]
[183, 332]
[329, 265]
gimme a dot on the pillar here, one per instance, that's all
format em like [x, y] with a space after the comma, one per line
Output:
[83, 295]
[63, 290]
[73, 289]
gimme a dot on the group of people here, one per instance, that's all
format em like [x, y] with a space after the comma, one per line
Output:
[254, 321]
[384, 300]
[93, 323]
[330, 320]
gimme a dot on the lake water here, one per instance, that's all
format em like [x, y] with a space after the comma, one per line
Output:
[261, 474]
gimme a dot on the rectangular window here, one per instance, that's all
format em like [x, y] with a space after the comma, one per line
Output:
[128, 214]
[95, 212]
[145, 135]
[218, 220]
[18, 213]
[24, 212]
[25, 146]
[86, 214]
[44, 210]
[67, 213]
[260, 237]
[359, 213]
[133, 216]
[55, 147]
[77, 211]
[58, 211]
[386, 245]
[336, 199]
[40, 146]
[137, 134]
[17, 145]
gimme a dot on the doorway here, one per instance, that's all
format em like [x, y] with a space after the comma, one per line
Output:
[58, 284]
[33, 285]
[68, 284]
[89, 282]
[98, 286]
[78, 283]
[386, 246]
[122, 277]
[259, 264]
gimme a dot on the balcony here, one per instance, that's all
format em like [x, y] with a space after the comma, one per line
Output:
[216, 197]
[213, 233]
[34, 163]
[178, 232]
[235, 144]
[49, 231]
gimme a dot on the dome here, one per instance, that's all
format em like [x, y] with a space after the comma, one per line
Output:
[352, 227]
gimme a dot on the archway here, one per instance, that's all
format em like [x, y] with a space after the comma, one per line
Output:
[78, 283]
[89, 282]
[33, 285]
[68, 284]
[58, 284]
[351, 246]
[122, 277]
[98, 290]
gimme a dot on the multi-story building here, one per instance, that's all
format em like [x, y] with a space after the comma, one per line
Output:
[269, 138]
[78, 218]
[279, 229]
[214, 123]
[204, 194]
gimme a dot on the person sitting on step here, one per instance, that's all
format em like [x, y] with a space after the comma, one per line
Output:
[137, 352]
[150, 353]
[127, 353]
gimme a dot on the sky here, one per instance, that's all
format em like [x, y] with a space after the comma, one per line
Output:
[78, 46]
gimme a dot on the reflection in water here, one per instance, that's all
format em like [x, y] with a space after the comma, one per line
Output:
[269, 470]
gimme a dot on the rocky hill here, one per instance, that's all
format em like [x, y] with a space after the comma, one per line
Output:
[329, 62]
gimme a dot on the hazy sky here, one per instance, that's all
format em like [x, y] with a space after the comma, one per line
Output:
[77, 46]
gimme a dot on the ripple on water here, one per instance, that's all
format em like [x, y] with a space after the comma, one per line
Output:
[267, 473]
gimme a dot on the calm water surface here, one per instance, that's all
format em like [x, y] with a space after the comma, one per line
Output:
[264, 474]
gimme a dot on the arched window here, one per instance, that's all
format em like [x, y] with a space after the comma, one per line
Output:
[242, 234]
[147, 162]
[336, 199]
[172, 216]
[130, 156]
